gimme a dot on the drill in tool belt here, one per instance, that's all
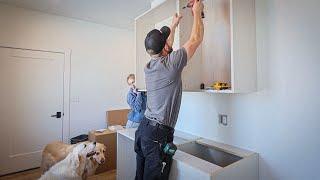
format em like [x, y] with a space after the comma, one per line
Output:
[190, 5]
[169, 149]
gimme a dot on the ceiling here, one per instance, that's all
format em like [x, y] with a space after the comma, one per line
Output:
[116, 13]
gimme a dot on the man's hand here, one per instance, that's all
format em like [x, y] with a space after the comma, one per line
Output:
[176, 20]
[197, 7]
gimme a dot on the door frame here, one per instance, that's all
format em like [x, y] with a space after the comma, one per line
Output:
[66, 85]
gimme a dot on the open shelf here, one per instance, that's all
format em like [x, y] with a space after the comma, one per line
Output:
[227, 91]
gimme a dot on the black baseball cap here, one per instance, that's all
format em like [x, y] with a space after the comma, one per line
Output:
[156, 40]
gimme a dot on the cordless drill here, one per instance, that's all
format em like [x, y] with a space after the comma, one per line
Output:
[190, 5]
[169, 149]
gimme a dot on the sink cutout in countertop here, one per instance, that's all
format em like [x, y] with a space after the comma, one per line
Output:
[210, 154]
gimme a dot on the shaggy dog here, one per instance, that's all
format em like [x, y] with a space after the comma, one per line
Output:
[73, 166]
[57, 151]
[95, 160]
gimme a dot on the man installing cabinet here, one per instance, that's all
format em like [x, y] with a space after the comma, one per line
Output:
[164, 91]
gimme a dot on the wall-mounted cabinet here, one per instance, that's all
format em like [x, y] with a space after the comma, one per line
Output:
[227, 54]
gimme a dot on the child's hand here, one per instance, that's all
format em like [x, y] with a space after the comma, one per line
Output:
[135, 90]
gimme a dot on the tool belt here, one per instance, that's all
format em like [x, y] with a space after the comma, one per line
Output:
[160, 126]
[168, 147]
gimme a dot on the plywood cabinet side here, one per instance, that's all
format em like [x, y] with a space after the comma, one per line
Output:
[191, 75]
[243, 38]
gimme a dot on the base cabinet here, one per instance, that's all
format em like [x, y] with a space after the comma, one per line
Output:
[126, 158]
[196, 158]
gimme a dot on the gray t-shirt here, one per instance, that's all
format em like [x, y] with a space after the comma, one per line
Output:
[164, 87]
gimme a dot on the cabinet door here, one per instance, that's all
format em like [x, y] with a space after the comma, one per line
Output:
[151, 19]
[142, 29]
[244, 52]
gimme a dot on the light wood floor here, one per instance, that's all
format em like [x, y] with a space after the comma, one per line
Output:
[36, 173]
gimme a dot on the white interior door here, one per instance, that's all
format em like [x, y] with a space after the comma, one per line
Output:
[31, 91]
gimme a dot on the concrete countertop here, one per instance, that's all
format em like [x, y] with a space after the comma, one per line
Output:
[182, 138]
[179, 136]
[129, 133]
[180, 156]
[184, 162]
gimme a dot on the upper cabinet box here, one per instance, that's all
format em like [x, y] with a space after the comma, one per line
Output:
[228, 51]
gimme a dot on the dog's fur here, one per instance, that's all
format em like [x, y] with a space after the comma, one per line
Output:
[97, 159]
[57, 151]
[53, 153]
[73, 166]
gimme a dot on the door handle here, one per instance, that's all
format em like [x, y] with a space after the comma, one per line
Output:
[57, 115]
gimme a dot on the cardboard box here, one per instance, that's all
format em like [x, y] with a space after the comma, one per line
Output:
[109, 139]
[117, 117]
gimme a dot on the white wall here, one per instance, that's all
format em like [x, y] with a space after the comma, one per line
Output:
[280, 121]
[101, 58]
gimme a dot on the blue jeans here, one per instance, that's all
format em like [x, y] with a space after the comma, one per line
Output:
[149, 142]
[131, 124]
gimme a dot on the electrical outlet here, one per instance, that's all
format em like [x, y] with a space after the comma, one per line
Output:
[223, 119]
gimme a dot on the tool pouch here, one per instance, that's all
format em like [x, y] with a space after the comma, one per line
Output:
[169, 149]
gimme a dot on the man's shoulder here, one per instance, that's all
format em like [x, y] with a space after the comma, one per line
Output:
[154, 63]
[178, 59]
[173, 59]
[181, 52]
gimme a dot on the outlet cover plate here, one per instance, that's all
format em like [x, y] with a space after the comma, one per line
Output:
[223, 119]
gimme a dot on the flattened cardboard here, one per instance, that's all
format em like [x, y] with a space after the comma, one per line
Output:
[109, 139]
[117, 117]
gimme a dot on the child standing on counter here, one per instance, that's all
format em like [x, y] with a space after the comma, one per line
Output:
[137, 102]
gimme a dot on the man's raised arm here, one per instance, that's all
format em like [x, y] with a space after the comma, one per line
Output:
[196, 36]
[175, 22]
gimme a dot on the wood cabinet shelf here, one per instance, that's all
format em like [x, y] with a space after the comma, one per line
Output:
[227, 54]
